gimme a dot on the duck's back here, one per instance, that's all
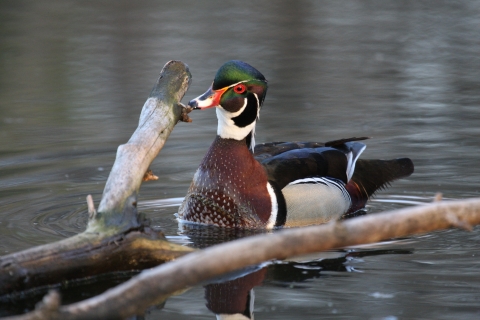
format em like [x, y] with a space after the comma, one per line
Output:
[325, 181]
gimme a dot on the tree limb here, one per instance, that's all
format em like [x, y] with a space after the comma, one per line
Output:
[135, 295]
[116, 238]
[159, 115]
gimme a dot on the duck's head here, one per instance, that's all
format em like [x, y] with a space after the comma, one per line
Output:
[237, 91]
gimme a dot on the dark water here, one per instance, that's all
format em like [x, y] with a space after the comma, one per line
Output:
[74, 76]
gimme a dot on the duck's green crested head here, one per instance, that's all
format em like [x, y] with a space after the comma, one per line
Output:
[235, 71]
[238, 92]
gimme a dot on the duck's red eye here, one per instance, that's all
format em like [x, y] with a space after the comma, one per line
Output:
[240, 88]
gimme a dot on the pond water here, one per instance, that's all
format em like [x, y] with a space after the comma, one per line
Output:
[74, 77]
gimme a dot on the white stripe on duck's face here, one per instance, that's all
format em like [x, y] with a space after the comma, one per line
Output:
[234, 125]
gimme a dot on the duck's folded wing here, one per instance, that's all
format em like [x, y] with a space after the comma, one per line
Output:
[297, 164]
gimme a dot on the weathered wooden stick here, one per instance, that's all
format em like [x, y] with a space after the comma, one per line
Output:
[135, 295]
[82, 255]
[159, 115]
[115, 239]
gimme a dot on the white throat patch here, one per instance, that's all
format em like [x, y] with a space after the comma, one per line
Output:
[227, 128]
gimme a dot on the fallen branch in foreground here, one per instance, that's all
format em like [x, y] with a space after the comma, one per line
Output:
[144, 290]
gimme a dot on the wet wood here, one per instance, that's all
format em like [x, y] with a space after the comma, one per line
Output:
[85, 255]
[149, 176]
[135, 295]
[116, 237]
[185, 111]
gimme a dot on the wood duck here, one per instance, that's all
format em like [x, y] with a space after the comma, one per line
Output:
[281, 183]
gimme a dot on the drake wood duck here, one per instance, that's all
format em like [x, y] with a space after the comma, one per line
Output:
[281, 183]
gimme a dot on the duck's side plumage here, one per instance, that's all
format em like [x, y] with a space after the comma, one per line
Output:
[317, 182]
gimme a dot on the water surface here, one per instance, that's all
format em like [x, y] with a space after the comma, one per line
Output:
[74, 76]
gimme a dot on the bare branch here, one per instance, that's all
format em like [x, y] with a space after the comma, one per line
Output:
[159, 115]
[135, 295]
[116, 239]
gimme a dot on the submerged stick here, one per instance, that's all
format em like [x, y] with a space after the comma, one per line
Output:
[135, 295]
[91, 207]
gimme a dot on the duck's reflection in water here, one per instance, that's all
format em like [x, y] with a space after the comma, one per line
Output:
[232, 298]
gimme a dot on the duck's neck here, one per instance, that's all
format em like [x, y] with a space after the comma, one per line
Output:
[227, 129]
[230, 153]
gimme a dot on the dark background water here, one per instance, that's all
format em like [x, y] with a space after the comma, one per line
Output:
[74, 76]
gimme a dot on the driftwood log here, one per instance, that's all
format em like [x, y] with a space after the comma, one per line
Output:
[116, 237]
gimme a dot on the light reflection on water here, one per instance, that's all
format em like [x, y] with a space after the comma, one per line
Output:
[73, 79]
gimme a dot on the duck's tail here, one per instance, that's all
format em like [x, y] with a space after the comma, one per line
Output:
[372, 175]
